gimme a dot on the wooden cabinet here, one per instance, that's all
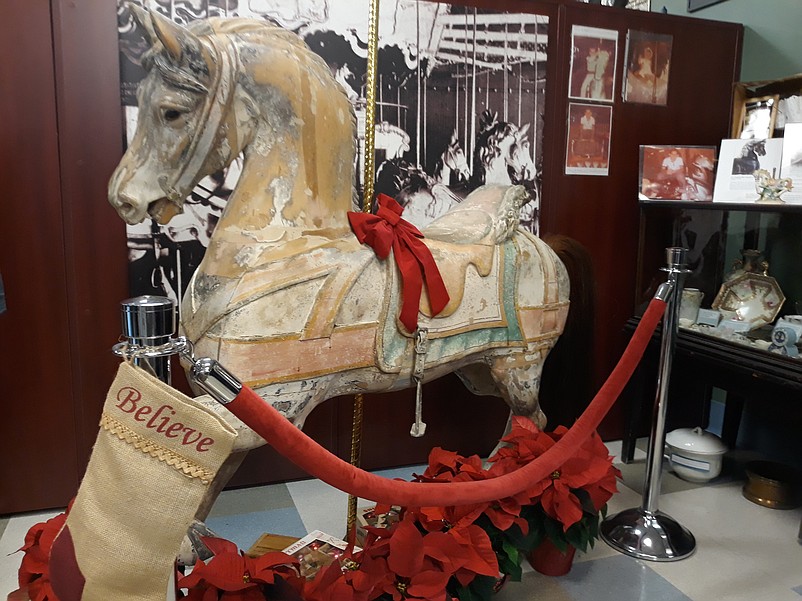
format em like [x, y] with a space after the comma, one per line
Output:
[740, 364]
[62, 249]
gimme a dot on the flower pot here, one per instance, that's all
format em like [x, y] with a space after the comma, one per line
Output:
[549, 560]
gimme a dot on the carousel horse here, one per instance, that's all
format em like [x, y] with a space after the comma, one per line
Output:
[502, 153]
[749, 161]
[286, 297]
[452, 167]
[423, 197]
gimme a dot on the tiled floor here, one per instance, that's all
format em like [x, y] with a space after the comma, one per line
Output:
[745, 552]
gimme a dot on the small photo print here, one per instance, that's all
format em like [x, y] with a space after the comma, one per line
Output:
[792, 161]
[648, 60]
[757, 120]
[315, 551]
[593, 63]
[792, 153]
[588, 143]
[738, 160]
[677, 172]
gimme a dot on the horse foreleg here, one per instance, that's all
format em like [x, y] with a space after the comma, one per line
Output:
[517, 377]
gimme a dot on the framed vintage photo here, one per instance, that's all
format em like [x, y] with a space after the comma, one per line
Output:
[694, 5]
[756, 117]
[593, 63]
[677, 172]
[737, 162]
[588, 144]
[648, 58]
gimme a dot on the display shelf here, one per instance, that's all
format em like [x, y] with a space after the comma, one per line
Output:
[752, 207]
[715, 234]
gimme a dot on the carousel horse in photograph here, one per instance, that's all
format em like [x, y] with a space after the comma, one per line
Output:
[286, 297]
[452, 167]
[749, 161]
[423, 197]
[502, 154]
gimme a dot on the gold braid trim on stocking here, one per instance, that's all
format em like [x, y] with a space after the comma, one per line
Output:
[168, 456]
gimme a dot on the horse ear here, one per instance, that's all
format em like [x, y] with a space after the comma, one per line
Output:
[177, 41]
[142, 18]
[523, 129]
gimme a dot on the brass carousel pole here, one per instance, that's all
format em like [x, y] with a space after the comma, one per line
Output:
[367, 203]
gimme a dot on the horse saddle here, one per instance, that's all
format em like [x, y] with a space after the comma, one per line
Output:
[489, 215]
[469, 234]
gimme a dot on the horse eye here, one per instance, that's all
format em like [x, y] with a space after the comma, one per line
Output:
[171, 115]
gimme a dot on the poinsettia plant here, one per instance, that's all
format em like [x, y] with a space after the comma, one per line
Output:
[432, 553]
[34, 571]
[231, 575]
[568, 505]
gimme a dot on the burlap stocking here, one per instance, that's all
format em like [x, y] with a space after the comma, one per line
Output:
[155, 455]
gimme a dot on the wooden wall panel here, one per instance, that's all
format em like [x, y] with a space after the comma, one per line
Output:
[90, 146]
[62, 248]
[38, 461]
[602, 212]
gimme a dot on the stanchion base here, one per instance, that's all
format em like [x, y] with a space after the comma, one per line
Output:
[646, 535]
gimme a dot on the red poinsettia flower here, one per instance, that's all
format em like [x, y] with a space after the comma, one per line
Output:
[589, 469]
[447, 466]
[403, 563]
[231, 574]
[34, 571]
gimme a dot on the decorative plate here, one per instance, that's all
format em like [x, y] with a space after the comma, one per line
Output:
[753, 298]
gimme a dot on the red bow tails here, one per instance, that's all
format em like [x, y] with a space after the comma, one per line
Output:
[385, 230]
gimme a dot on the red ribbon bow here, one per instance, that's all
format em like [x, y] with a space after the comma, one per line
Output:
[385, 230]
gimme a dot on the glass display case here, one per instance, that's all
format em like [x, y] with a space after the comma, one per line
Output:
[744, 261]
[726, 243]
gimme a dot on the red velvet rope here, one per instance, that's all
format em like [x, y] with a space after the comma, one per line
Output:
[320, 463]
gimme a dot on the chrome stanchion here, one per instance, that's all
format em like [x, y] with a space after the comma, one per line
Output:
[148, 324]
[646, 532]
[148, 327]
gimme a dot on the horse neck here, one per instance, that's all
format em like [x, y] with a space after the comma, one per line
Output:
[284, 187]
[496, 172]
[443, 174]
[298, 138]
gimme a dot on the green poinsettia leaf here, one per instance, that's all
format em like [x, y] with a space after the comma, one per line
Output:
[481, 588]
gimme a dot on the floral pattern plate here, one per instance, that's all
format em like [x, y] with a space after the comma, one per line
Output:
[753, 298]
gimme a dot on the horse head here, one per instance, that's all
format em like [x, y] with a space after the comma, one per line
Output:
[502, 154]
[222, 87]
[452, 166]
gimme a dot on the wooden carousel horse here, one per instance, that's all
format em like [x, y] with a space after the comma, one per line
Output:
[286, 297]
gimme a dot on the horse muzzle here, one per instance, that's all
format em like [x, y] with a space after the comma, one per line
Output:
[135, 201]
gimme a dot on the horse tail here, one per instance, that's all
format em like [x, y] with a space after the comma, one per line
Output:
[566, 385]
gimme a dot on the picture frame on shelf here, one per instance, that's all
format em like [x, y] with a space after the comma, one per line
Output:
[756, 117]
[694, 5]
[677, 172]
[738, 160]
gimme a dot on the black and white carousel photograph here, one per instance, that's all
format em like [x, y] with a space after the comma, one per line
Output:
[459, 104]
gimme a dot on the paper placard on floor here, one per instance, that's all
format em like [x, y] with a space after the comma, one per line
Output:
[738, 160]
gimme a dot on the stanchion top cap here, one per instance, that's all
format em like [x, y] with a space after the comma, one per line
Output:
[148, 317]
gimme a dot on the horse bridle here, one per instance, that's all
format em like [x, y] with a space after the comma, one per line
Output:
[213, 112]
